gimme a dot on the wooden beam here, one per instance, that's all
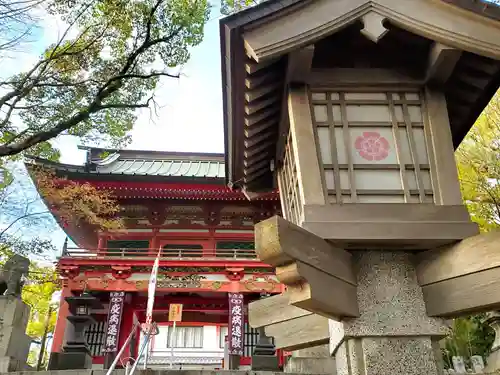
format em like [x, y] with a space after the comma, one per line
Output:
[251, 108]
[308, 265]
[292, 327]
[298, 69]
[252, 67]
[463, 278]
[466, 257]
[255, 167]
[260, 91]
[279, 242]
[251, 131]
[326, 78]
[252, 82]
[248, 153]
[262, 115]
[304, 147]
[258, 139]
[300, 333]
[442, 62]
[273, 310]
[440, 144]
[299, 64]
[301, 278]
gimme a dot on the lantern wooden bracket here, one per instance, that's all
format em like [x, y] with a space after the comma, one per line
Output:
[299, 64]
[292, 328]
[310, 267]
[442, 61]
[463, 278]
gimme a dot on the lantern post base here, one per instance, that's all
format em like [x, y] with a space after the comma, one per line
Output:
[315, 360]
[264, 355]
[234, 362]
[393, 334]
[70, 361]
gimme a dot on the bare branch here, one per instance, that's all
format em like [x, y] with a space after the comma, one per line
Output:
[126, 105]
[78, 78]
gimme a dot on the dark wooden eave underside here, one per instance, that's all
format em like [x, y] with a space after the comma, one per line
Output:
[253, 98]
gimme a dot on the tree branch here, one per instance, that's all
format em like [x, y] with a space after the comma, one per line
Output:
[21, 218]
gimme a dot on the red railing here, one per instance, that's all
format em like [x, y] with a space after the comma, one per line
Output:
[165, 253]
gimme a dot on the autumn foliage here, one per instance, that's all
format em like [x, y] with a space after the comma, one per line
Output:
[75, 202]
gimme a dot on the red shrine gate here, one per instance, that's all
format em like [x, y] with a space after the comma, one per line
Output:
[177, 202]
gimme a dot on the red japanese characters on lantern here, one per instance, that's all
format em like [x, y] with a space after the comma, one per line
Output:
[372, 146]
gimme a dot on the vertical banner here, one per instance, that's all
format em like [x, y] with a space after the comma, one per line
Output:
[236, 323]
[114, 320]
[152, 291]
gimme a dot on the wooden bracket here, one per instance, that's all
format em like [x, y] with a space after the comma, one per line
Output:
[299, 64]
[442, 61]
[292, 328]
[319, 276]
[461, 279]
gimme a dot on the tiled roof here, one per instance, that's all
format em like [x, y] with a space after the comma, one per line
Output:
[145, 163]
[165, 167]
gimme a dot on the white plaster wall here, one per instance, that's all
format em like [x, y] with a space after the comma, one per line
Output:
[210, 347]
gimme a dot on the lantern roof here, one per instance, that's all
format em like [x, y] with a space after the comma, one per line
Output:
[259, 51]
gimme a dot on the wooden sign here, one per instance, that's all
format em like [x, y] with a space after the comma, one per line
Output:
[114, 321]
[175, 312]
[236, 323]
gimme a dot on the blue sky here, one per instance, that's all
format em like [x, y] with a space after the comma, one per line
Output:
[190, 114]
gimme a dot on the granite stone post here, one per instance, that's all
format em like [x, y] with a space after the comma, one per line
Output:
[314, 360]
[393, 334]
[14, 342]
[493, 360]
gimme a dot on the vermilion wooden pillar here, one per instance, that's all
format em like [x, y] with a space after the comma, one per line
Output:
[63, 313]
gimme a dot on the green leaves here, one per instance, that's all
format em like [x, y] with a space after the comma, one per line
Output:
[90, 85]
[478, 160]
[470, 336]
[234, 6]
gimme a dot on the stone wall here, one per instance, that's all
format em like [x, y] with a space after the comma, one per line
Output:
[146, 372]
[160, 372]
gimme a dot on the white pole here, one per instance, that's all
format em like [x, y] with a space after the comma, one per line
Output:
[172, 341]
[143, 346]
[119, 354]
[146, 356]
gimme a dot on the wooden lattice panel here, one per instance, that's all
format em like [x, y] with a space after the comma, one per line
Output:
[289, 185]
[372, 146]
